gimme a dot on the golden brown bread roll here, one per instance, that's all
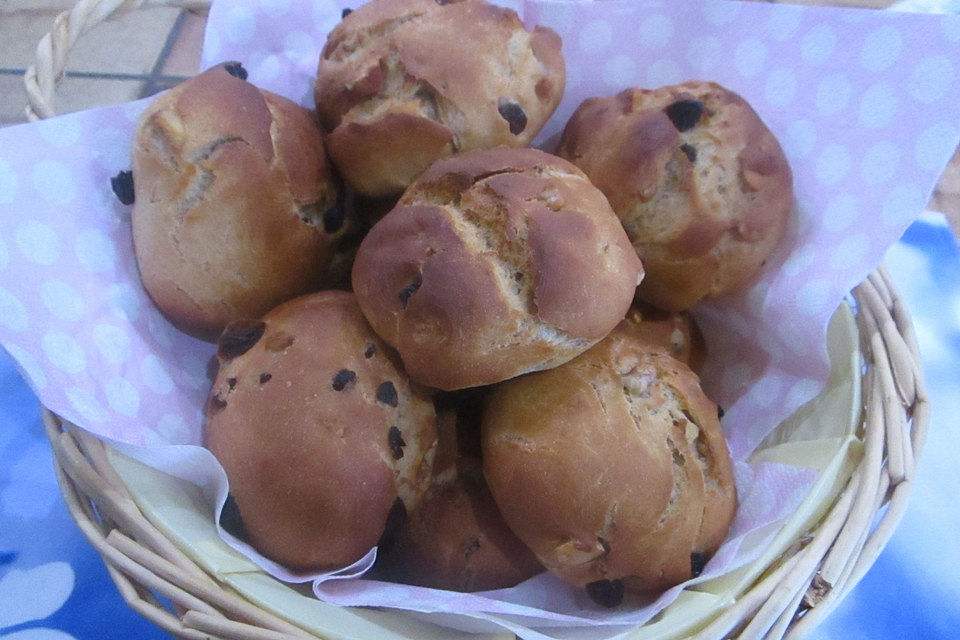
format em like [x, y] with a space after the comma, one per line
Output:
[318, 430]
[456, 538]
[401, 83]
[612, 467]
[233, 191]
[495, 263]
[701, 185]
[675, 331]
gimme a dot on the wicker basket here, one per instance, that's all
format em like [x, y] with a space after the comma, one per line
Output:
[793, 593]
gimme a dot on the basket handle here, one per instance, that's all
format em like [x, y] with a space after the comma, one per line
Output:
[42, 78]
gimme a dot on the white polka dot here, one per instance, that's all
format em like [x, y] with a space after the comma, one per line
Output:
[13, 315]
[125, 301]
[8, 182]
[275, 8]
[264, 69]
[818, 45]
[881, 48]
[935, 145]
[850, 252]
[880, 163]
[704, 53]
[122, 396]
[174, 429]
[64, 352]
[812, 297]
[656, 32]
[212, 45]
[902, 204]
[783, 24]
[155, 376]
[801, 138]
[802, 392]
[111, 149]
[749, 57]
[878, 106]
[663, 72]
[721, 13]
[54, 182]
[833, 94]
[833, 164]
[595, 36]
[951, 28]
[781, 87]
[112, 342]
[38, 243]
[840, 212]
[86, 405]
[326, 14]
[619, 72]
[61, 132]
[239, 25]
[28, 365]
[95, 250]
[62, 300]
[798, 262]
[931, 79]
[792, 335]
[300, 47]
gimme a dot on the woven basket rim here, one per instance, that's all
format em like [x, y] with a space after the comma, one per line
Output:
[787, 602]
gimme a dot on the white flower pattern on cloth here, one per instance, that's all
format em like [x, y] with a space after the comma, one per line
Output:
[31, 595]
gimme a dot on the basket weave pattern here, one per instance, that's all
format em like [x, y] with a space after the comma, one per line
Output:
[164, 585]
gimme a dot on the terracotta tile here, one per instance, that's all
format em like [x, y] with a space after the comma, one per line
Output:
[75, 94]
[14, 99]
[20, 32]
[130, 44]
[184, 58]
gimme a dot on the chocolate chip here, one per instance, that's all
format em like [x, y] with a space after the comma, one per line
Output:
[122, 185]
[371, 349]
[236, 70]
[387, 393]
[395, 519]
[395, 440]
[231, 382]
[345, 13]
[265, 377]
[690, 151]
[409, 290]
[238, 338]
[343, 379]
[698, 560]
[684, 114]
[720, 413]
[513, 114]
[333, 218]
[230, 518]
[216, 404]
[606, 593]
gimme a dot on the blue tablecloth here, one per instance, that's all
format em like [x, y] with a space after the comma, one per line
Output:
[53, 585]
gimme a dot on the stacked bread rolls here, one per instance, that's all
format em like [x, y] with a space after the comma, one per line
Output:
[489, 394]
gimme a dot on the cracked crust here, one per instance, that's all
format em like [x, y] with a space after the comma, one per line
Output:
[493, 264]
[225, 178]
[401, 83]
[704, 193]
[309, 440]
[612, 466]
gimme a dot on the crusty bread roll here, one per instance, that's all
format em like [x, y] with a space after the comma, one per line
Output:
[701, 185]
[612, 467]
[456, 538]
[318, 429]
[495, 263]
[401, 83]
[233, 201]
[675, 331]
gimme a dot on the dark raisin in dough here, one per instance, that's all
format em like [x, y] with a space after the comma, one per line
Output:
[387, 394]
[122, 185]
[395, 440]
[684, 114]
[690, 151]
[236, 70]
[238, 337]
[265, 377]
[514, 115]
[343, 379]
[606, 593]
[408, 291]
[371, 349]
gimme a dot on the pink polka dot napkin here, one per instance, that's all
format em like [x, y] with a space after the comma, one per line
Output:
[865, 103]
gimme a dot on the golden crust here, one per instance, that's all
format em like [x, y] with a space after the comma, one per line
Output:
[317, 450]
[229, 184]
[495, 263]
[467, 70]
[704, 206]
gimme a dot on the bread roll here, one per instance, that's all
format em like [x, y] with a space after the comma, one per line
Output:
[675, 331]
[233, 199]
[612, 468]
[402, 83]
[701, 185]
[319, 431]
[495, 263]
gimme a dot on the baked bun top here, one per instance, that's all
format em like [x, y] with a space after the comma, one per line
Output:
[408, 81]
[493, 264]
[232, 186]
[701, 185]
